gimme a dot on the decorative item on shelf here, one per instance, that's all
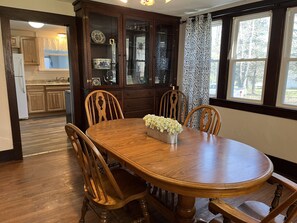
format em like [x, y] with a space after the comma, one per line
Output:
[96, 81]
[98, 37]
[101, 63]
[108, 77]
[163, 129]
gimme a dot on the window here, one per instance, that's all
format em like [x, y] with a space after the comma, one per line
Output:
[53, 53]
[248, 57]
[287, 90]
[216, 33]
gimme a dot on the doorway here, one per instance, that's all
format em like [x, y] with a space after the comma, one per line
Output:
[41, 70]
[14, 151]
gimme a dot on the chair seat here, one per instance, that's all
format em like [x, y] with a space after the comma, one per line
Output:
[131, 186]
[258, 210]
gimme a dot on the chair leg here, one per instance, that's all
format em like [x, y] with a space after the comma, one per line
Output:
[144, 210]
[84, 210]
[103, 216]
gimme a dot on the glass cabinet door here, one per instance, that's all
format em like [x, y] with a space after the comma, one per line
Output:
[104, 49]
[137, 52]
[164, 51]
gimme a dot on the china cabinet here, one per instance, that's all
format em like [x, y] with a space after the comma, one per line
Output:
[129, 52]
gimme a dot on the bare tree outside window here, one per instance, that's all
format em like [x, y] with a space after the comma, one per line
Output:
[249, 56]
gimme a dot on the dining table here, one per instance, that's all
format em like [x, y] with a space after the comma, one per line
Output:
[199, 165]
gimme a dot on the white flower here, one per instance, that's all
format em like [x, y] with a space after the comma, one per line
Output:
[163, 124]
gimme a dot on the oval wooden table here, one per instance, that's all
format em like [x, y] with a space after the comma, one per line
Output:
[199, 165]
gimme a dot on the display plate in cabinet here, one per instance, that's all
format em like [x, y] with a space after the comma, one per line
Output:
[98, 37]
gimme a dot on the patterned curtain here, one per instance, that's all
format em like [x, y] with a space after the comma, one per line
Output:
[195, 82]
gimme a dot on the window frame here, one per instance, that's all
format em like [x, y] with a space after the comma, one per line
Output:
[278, 8]
[286, 59]
[233, 60]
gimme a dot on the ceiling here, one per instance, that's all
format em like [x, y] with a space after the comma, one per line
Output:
[182, 8]
[20, 25]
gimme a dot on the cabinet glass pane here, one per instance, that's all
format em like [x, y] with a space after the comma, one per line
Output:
[104, 49]
[164, 47]
[137, 52]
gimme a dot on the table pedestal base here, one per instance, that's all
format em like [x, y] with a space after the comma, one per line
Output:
[185, 210]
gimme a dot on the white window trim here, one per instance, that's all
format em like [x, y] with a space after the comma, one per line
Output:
[217, 23]
[287, 44]
[232, 61]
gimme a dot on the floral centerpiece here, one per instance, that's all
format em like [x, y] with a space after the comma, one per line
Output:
[164, 129]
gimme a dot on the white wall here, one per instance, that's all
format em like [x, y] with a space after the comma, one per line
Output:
[63, 7]
[5, 126]
[271, 135]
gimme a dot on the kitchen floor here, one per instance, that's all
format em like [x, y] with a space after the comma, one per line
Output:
[43, 135]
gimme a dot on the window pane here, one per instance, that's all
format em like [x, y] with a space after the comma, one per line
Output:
[294, 39]
[291, 85]
[247, 81]
[216, 33]
[253, 36]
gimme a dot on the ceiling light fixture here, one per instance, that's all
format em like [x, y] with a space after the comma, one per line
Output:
[36, 25]
[62, 35]
[150, 2]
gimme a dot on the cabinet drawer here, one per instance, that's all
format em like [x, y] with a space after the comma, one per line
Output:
[144, 93]
[35, 88]
[138, 104]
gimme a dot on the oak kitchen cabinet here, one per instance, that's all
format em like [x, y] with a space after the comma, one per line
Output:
[36, 99]
[46, 98]
[29, 50]
[129, 52]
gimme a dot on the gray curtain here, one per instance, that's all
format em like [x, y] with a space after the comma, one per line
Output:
[196, 72]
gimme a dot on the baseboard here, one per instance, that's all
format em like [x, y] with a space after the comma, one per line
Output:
[284, 167]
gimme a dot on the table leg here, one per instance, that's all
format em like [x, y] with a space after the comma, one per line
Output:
[185, 210]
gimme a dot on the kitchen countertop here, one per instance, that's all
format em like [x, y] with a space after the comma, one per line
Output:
[47, 82]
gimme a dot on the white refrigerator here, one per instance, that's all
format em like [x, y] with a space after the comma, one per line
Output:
[20, 85]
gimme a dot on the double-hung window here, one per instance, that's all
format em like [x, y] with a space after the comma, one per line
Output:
[248, 57]
[287, 90]
[216, 35]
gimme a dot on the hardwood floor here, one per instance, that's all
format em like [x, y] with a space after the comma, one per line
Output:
[49, 188]
[42, 135]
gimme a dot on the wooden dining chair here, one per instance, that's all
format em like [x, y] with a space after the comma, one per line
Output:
[207, 117]
[173, 105]
[257, 211]
[104, 188]
[100, 106]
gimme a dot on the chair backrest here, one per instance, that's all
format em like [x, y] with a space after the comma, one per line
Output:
[93, 166]
[173, 105]
[100, 106]
[206, 117]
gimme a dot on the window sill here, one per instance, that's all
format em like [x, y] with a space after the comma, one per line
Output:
[255, 108]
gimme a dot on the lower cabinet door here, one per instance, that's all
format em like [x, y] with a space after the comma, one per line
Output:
[55, 100]
[36, 102]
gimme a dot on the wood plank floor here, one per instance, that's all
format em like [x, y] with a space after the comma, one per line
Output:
[48, 188]
[42, 135]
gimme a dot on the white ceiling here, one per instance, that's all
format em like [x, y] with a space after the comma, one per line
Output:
[180, 7]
